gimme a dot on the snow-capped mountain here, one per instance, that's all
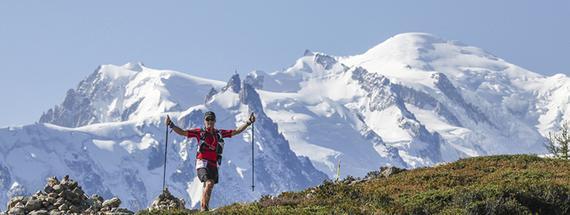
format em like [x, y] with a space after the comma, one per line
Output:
[427, 99]
[132, 91]
[118, 147]
[424, 99]
[413, 100]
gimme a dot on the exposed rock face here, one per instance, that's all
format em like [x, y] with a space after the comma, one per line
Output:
[389, 171]
[166, 201]
[384, 172]
[63, 197]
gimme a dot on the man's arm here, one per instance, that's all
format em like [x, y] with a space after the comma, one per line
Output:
[179, 131]
[175, 128]
[244, 126]
[240, 129]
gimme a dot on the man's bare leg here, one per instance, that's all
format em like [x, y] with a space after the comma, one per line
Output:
[209, 186]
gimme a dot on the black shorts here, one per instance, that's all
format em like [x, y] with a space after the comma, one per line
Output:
[208, 173]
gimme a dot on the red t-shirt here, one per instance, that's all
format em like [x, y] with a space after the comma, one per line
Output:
[211, 142]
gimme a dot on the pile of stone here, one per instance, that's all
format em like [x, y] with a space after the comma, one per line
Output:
[166, 201]
[64, 197]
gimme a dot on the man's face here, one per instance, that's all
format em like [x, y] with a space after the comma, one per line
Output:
[209, 122]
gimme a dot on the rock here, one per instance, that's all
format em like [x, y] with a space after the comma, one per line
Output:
[59, 202]
[48, 189]
[97, 197]
[74, 209]
[72, 185]
[55, 212]
[50, 200]
[89, 211]
[33, 204]
[112, 203]
[121, 211]
[68, 195]
[94, 204]
[52, 181]
[63, 207]
[17, 211]
[384, 172]
[57, 188]
[389, 171]
[39, 212]
[19, 205]
[79, 193]
[52, 195]
[14, 201]
[357, 181]
[166, 201]
[38, 194]
[96, 208]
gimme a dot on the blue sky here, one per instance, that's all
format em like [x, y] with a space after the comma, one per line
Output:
[47, 47]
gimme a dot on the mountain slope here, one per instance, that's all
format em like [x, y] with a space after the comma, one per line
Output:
[490, 89]
[519, 184]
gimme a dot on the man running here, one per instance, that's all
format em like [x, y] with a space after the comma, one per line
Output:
[210, 146]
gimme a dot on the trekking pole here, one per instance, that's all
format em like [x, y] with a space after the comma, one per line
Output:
[252, 158]
[165, 153]
[338, 171]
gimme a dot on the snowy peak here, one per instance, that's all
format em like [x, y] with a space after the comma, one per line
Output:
[407, 49]
[132, 91]
[312, 65]
[255, 79]
[406, 43]
[134, 66]
[422, 46]
[233, 84]
[408, 55]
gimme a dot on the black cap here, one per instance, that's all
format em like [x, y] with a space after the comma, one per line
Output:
[210, 114]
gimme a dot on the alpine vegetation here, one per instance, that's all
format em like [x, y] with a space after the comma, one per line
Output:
[559, 143]
[505, 184]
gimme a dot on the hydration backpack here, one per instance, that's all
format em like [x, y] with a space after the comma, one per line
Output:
[219, 149]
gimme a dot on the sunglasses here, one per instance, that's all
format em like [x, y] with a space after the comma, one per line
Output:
[210, 119]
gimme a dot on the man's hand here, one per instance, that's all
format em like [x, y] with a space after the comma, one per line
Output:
[168, 121]
[175, 128]
[251, 119]
[243, 127]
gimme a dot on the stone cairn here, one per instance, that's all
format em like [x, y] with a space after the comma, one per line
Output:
[63, 197]
[166, 201]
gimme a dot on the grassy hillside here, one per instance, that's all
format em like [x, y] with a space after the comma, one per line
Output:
[507, 184]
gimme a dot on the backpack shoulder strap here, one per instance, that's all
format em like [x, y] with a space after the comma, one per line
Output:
[202, 134]
[219, 135]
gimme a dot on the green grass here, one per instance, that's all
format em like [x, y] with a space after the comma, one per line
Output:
[505, 184]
